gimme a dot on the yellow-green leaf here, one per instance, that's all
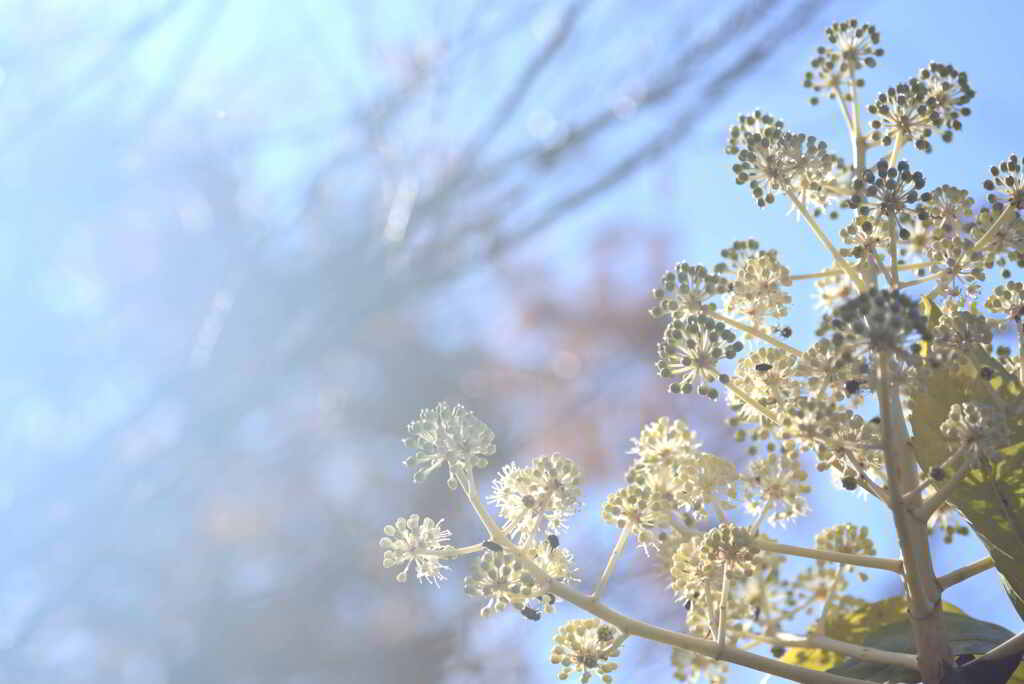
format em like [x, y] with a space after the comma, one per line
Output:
[991, 496]
[853, 626]
[966, 636]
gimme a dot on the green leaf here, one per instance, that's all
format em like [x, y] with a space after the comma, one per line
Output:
[991, 496]
[993, 671]
[967, 636]
[853, 626]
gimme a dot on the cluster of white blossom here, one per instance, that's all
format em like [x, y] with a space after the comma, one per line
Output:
[881, 340]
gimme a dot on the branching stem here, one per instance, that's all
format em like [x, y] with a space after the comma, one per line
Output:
[873, 655]
[932, 503]
[754, 332]
[933, 653]
[825, 241]
[645, 630]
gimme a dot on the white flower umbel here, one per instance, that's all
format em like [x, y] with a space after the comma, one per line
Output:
[417, 541]
[452, 435]
[587, 647]
[538, 498]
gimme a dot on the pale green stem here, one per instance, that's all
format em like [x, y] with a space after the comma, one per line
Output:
[912, 283]
[932, 503]
[933, 652]
[966, 572]
[759, 519]
[857, 138]
[890, 564]
[815, 276]
[846, 114]
[645, 630]
[897, 147]
[925, 482]
[721, 613]
[609, 567]
[996, 225]
[764, 411]
[754, 403]
[911, 267]
[870, 485]
[857, 651]
[828, 598]
[754, 332]
[894, 280]
[825, 241]
[877, 263]
[1020, 352]
[833, 273]
[978, 246]
[464, 550]
[1011, 646]
[837, 189]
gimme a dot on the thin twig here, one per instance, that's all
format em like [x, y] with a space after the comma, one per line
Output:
[609, 567]
[966, 572]
[890, 564]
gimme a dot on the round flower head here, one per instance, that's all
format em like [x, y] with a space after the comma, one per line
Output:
[852, 46]
[757, 290]
[766, 376]
[539, 498]
[664, 442]
[687, 290]
[1006, 185]
[664, 489]
[831, 291]
[877, 321]
[691, 668]
[755, 123]
[1008, 299]
[976, 430]
[697, 566]
[691, 349]
[779, 161]
[844, 538]
[816, 584]
[556, 562]
[634, 508]
[956, 333]
[452, 435]
[833, 374]
[949, 93]
[955, 257]
[776, 488]
[949, 208]
[914, 110]
[504, 581]
[889, 192]
[420, 542]
[1002, 239]
[711, 484]
[840, 438]
[587, 647]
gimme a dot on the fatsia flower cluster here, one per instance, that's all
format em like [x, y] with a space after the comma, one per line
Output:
[901, 274]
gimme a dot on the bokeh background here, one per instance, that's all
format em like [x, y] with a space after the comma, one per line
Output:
[243, 242]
